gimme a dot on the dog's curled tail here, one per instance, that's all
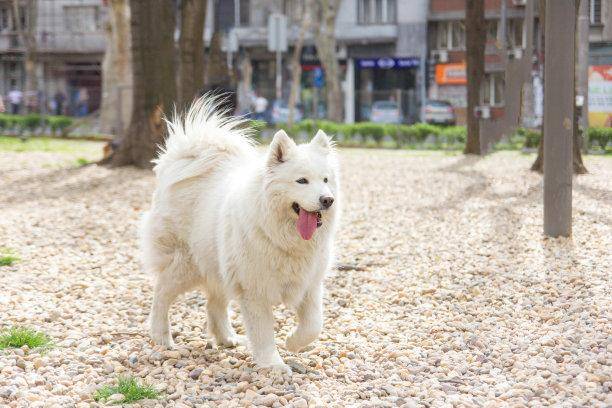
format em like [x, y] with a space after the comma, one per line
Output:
[200, 138]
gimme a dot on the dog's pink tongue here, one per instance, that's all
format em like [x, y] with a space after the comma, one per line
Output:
[306, 223]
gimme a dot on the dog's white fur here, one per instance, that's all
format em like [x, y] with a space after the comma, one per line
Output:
[222, 220]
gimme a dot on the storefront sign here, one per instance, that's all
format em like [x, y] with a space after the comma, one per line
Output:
[600, 95]
[451, 74]
[388, 63]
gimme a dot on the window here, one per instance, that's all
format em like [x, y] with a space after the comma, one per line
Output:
[245, 13]
[595, 11]
[376, 11]
[515, 33]
[5, 18]
[493, 89]
[492, 30]
[450, 35]
[82, 18]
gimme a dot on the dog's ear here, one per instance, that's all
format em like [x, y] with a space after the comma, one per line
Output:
[280, 148]
[322, 140]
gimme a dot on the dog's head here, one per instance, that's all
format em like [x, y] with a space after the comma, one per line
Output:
[302, 181]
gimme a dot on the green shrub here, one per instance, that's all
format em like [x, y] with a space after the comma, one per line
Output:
[32, 121]
[131, 389]
[531, 137]
[17, 337]
[454, 134]
[308, 125]
[369, 129]
[422, 130]
[600, 135]
[59, 123]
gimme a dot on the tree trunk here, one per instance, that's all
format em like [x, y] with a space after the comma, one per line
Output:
[152, 28]
[296, 66]
[538, 164]
[581, 73]
[191, 50]
[475, 47]
[27, 36]
[578, 140]
[117, 71]
[217, 71]
[325, 41]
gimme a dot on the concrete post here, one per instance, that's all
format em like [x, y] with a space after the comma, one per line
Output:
[349, 92]
[558, 116]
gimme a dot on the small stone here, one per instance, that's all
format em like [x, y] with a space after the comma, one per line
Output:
[195, 373]
[296, 366]
[299, 403]
[115, 398]
[250, 395]
[266, 400]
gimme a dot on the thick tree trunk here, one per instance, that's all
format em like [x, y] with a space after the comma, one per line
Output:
[217, 71]
[475, 46]
[191, 50]
[325, 41]
[152, 27]
[296, 66]
[27, 36]
[538, 164]
[578, 140]
[117, 71]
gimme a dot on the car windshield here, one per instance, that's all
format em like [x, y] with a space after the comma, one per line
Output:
[438, 104]
[385, 105]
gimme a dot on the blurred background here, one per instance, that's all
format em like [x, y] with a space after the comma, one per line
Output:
[287, 61]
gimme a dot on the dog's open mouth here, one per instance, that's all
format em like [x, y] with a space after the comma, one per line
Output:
[308, 221]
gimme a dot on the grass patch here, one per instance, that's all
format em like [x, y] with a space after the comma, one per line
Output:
[129, 387]
[81, 161]
[7, 257]
[48, 144]
[16, 337]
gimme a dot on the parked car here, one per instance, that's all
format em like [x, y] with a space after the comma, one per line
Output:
[280, 112]
[386, 112]
[439, 113]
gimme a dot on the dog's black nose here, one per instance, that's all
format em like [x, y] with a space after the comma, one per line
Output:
[326, 201]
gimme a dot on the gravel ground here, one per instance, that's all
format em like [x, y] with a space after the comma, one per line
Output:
[446, 292]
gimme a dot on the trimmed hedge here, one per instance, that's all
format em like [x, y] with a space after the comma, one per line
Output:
[33, 121]
[600, 135]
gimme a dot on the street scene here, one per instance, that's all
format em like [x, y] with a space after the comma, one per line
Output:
[305, 203]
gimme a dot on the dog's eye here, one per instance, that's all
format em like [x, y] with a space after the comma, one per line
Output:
[302, 181]
[325, 180]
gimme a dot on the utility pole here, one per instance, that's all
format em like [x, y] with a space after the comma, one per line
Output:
[559, 102]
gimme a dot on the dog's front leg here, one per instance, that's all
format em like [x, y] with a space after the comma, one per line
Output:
[259, 323]
[310, 321]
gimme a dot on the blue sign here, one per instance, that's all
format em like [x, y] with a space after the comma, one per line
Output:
[388, 63]
[318, 77]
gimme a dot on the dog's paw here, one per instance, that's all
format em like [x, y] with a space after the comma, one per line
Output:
[162, 339]
[232, 341]
[296, 342]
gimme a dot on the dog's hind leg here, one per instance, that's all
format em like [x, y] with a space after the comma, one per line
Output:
[219, 326]
[175, 279]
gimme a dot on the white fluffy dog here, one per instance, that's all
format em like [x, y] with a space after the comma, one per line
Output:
[241, 225]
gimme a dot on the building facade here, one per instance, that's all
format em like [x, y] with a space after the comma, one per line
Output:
[70, 44]
[381, 47]
[600, 62]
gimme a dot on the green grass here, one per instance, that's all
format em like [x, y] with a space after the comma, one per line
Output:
[7, 257]
[48, 144]
[16, 337]
[81, 161]
[129, 387]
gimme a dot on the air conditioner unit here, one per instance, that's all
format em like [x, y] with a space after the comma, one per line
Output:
[519, 2]
[439, 56]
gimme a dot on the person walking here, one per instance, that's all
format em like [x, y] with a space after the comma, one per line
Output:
[15, 97]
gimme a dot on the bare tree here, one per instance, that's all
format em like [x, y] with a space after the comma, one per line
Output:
[27, 12]
[580, 41]
[191, 49]
[217, 71]
[117, 70]
[325, 41]
[296, 66]
[475, 47]
[152, 29]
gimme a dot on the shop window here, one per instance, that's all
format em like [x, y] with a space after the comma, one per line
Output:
[595, 11]
[376, 11]
[450, 35]
[82, 19]
[493, 89]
